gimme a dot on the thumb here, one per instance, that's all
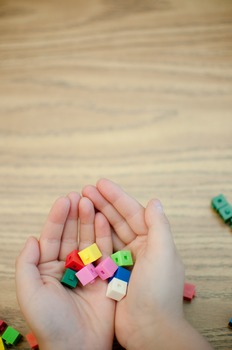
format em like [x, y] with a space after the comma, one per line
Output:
[159, 231]
[28, 278]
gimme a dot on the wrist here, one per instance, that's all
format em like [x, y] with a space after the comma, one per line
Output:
[147, 337]
[169, 334]
[75, 342]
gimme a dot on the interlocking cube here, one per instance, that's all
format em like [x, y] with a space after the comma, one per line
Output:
[189, 291]
[122, 258]
[2, 347]
[230, 323]
[90, 254]
[87, 274]
[106, 268]
[3, 326]
[11, 336]
[122, 274]
[69, 278]
[32, 341]
[73, 261]
[219, 202]
[116, 289]
[230, 222]
[226, 213]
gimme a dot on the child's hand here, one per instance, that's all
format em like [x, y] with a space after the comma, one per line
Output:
[62, 318]
[151, 314]
[156, 286]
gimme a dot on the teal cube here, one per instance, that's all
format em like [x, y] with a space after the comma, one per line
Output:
[219, 202]
[11, 336]
[69, 278]
[230, 223]
[226, 213]
[122, 258]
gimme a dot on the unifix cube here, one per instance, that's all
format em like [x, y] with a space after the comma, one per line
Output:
[230, 323]
[189, 291]
[219, 202]
[87, 274]
[116, 289]
[106, 268]
[122, 258]
[3, 326]
[73, 261]
[69, 278]
[11, 336]
[122, 274]
[226, 213]
[90, 254]
[32, 341]
[2, 347]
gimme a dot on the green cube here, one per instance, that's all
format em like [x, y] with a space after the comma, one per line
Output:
[230, 222]
[122, 258]
[219, 202]
[11, 336]
[226, 213]
[69, 278]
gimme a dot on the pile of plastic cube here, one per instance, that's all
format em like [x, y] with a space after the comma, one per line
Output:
[10, 337]
[81, 267]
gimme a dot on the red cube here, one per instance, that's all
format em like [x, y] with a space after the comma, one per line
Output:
[73, 261]
[32, 341]
[3, 326]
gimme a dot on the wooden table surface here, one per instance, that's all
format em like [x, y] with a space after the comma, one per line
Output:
[136, 91]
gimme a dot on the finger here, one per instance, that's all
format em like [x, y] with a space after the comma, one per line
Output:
[103, 235]
[121, 227]
[50, 238]
[131, 210]
[159, 232]
[117, 243]
[70, 234]
[86, 215]
[28, 280]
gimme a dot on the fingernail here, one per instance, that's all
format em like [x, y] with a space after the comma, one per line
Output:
[158, 206]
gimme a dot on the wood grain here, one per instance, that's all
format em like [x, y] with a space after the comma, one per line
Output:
[137, 91]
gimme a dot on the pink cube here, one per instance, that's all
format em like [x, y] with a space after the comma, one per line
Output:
[106, 268]
[87, 274]
[189, 291]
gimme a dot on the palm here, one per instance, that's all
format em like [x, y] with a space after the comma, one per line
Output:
[79, 304]
[84, 312]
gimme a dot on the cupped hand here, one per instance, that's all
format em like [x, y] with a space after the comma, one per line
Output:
[156, 286]
[63, 318]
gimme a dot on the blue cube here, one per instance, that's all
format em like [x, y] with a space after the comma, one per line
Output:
[122, 274]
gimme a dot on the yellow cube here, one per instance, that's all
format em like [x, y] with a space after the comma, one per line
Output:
[90, 254]
[2, 347]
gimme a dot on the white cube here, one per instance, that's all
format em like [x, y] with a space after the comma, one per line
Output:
[116, 289]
